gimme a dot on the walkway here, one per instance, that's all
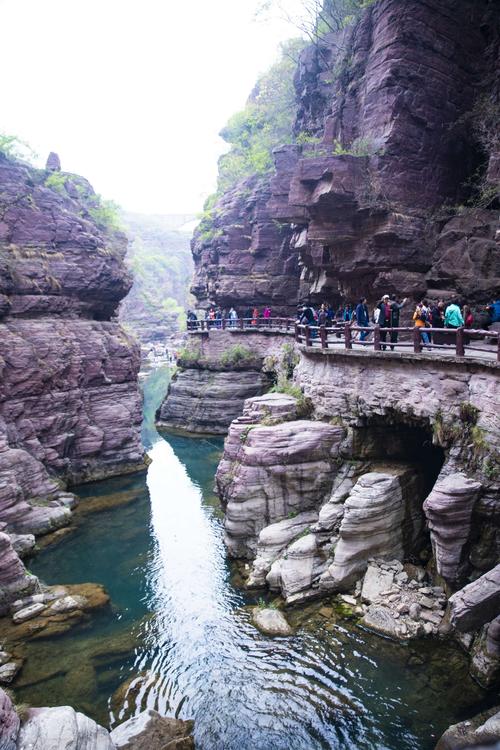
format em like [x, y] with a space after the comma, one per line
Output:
[443, 342]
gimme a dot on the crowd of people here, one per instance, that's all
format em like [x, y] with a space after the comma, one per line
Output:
[386, 314]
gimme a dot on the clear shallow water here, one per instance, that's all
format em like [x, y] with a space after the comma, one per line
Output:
[178, 637]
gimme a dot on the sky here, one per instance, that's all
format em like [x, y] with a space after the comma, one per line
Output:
[132, 93]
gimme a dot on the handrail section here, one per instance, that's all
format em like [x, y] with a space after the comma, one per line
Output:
[347, 335]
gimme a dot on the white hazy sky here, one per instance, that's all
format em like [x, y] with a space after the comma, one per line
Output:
[132, 93]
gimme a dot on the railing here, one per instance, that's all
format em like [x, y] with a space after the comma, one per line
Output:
[454, 341]
[347, 335]
[285, 325]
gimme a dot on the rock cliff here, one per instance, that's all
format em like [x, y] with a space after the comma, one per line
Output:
[392, 185]
[70, 409]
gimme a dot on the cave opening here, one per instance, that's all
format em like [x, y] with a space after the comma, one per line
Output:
[404, 446]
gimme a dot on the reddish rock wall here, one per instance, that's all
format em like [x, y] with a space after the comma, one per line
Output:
[69, 402]
[370, 207]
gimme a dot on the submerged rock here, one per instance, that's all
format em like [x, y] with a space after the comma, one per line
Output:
[150, 731]
[271, 621]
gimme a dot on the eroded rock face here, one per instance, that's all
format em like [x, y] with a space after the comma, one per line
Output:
[363, 222]
[372, 524]
[69, 402]
[207, 401]
[14, 578]
[449, 512]
[244, 259]
[270, 473]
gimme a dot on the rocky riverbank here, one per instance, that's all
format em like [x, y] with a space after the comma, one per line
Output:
[334, 503]
[62, 727]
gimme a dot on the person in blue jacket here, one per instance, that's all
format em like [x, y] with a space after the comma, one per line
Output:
[362, 317]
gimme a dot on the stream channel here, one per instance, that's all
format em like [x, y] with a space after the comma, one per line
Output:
[178, 635]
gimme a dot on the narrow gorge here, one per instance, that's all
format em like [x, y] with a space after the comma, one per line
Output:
[288, 539]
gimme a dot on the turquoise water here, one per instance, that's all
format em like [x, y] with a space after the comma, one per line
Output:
[178, 636]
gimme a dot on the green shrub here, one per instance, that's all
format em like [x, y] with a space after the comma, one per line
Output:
[237, 354]
[106, 214]
[15, 148]
[56, 181]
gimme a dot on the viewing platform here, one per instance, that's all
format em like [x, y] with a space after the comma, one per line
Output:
[446, 343]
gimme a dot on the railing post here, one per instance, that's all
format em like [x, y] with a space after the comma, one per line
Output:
[347, 336]
[287, 324]
[498, 347]
[417, 340]
[376, 338]
[459, 343]
[322, 335]
[223, 323]
[308, 335]
[296, 333]
[240, 322]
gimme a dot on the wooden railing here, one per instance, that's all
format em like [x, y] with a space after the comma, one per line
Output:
[447, 341]
[285, 325]
[346, 335]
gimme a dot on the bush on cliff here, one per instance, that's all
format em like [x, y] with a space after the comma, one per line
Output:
[236, 355]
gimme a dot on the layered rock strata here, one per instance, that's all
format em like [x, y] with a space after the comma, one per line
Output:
[70, 409]
[270, 473]
[368, 204]
[217, 371]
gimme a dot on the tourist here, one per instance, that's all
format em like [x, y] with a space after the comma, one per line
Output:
[453, 317]
[218, 317]
[248, 316]
[467, 316]
[384, 318]
[347, 313]
[233, 317]
[396, 306]
[267, 315]
[437, 321]
[362, 317]
[322, 315]
[421, 317]
[330, 315]
[255, 316]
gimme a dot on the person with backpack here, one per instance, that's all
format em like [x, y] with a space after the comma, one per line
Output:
[421, 317]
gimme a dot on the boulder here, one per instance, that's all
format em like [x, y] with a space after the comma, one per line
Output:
[479, 732]
[448, 509]
[150, 731]
[477, 603]
[375, 582]
[297, 571]
[62, 728]
[273, 540]
[271, 621]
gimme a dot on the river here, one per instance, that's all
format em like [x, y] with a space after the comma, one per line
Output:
[178, 635]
